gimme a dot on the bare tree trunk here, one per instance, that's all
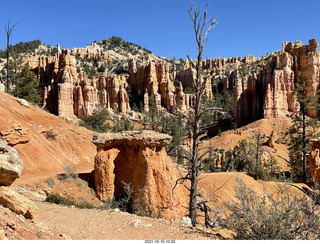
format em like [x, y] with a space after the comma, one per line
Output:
[8, 82]
[198, 24]
[8, 30]
[304, 147]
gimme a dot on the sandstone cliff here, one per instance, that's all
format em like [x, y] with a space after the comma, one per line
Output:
[263, 87]
[69, 94]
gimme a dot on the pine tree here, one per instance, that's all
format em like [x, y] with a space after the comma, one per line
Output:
[303, 126]
[26, 86]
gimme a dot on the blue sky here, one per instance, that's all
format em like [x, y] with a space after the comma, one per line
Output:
[244, 27]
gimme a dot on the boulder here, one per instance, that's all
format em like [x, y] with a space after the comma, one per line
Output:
[11, 165]
[139, 160]
[17, 203]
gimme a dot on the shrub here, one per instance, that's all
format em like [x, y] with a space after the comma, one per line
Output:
[69, 173]
[101, 68]
[122, 201]
[58, 199]
[50, 134]
[85, 204]
[50, 182]
[281, 216]
[122, 125]
[96, 121]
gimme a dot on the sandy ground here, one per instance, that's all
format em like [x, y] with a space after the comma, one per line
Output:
[95, 224]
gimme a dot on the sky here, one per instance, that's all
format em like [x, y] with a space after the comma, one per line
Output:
[246, 27]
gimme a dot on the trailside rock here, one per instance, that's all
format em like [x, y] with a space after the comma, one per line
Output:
[11, 165]
[17, 203]
[142, 164]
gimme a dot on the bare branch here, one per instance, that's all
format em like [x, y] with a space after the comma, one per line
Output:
[201, 148]
[218, 188]
[217, 109]
[186, 117]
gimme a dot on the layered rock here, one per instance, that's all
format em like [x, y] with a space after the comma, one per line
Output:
[15, 134]
[155, 80]
[187, 77]
[138, 159]
[67, 93]
[263, 88]
[17, 203]
[11, 165]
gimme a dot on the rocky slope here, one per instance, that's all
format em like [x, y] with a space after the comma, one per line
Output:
[44, 142]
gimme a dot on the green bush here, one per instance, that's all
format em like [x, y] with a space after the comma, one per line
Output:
[58, 199]
[96, 121]
[122, 125]
[85, 204]
[26, 86]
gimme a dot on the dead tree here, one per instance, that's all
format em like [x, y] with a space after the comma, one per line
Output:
[8, 30]
[202, 27]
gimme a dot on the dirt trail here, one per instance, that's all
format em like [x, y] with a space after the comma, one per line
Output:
[94, 224]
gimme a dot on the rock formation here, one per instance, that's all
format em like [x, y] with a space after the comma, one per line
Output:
[11, 165]
[314, 160]
[138, 159]
[103, 173]
[67, 93]
[263, 87]
[17, 203]
[271, 140]
[15, 134]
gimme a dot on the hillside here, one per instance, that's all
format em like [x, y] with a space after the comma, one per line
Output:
[27, 128]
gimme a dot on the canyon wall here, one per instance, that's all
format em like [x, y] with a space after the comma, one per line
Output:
[70, 94]
[264, 87]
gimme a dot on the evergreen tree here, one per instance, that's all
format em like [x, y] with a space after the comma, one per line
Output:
[26, 86]
[303, 127]
[96, 121]
[153, 117]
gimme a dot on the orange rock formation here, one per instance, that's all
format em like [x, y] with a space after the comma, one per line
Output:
[139, 159]
[69, 94]
[314, 160]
